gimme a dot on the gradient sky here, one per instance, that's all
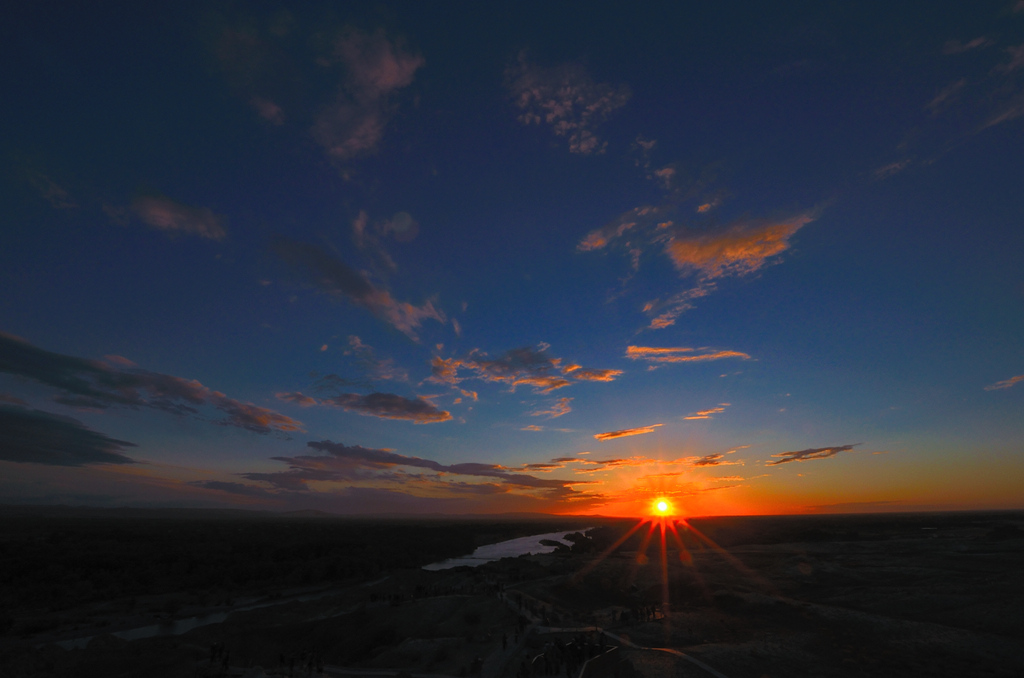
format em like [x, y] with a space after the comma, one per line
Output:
[408, 257]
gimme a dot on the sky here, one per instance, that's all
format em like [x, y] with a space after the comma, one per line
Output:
[380, 258]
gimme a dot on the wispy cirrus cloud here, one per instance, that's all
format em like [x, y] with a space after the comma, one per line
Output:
[679, 354]
[708, 413]
[561, 407]
[810, 454]
[173, 218]
[611, 435]
[567, 99]
[1006, 383]
[30, 436]
[333, 277]
[375, 68]
[93, 384]
[526, 366]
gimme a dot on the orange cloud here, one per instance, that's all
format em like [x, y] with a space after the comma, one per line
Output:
[740, 249]
[560, 408]
[1006, 383]
[611, 435]
[678, 354]
[587, 374]
[707, 414]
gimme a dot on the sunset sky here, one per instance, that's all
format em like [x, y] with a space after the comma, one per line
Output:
[474, 258]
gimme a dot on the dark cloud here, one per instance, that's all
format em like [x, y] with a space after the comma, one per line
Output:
[349, 463]
[527, 366]
[335, 278]
[36, 437]
[611, 435]
[717, 459]
[98, 385]
[374, 367]
[390, 406]
[809, 454]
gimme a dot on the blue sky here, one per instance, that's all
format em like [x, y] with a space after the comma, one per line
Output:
[404, 258]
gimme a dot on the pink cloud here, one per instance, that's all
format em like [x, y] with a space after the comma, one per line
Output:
[172, 217]
[567, 99]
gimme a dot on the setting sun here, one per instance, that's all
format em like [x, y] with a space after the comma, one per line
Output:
[662, 507]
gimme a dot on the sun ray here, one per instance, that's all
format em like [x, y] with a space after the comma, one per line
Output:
[733, 560]
[607, 552]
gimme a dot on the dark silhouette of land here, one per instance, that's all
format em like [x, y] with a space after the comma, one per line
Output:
[91, 592]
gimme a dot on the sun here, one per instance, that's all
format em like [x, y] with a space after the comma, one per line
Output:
[662, 507]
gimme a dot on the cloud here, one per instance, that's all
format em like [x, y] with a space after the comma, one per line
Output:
[49, 191]
[375, 368]
[532, 427]
[560, 408]
[703, 253]
[390, 406]
[402, 227]
[611, 435]
[567, 99]
[375, 69]
[98, 385]
[36, 437]
[1006, 383]
[708, 413]
[588, 374]
[268, 110]
[354, 463]
[527, 366]
[616, 228]
[172, 217]
[809, 454]
[717, 459]
[335, 278]
[297, 398]
[739, 249]
[941, 101]
[679, 354]
[957, 47]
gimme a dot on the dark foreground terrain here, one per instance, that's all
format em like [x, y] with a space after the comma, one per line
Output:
[882, 595]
